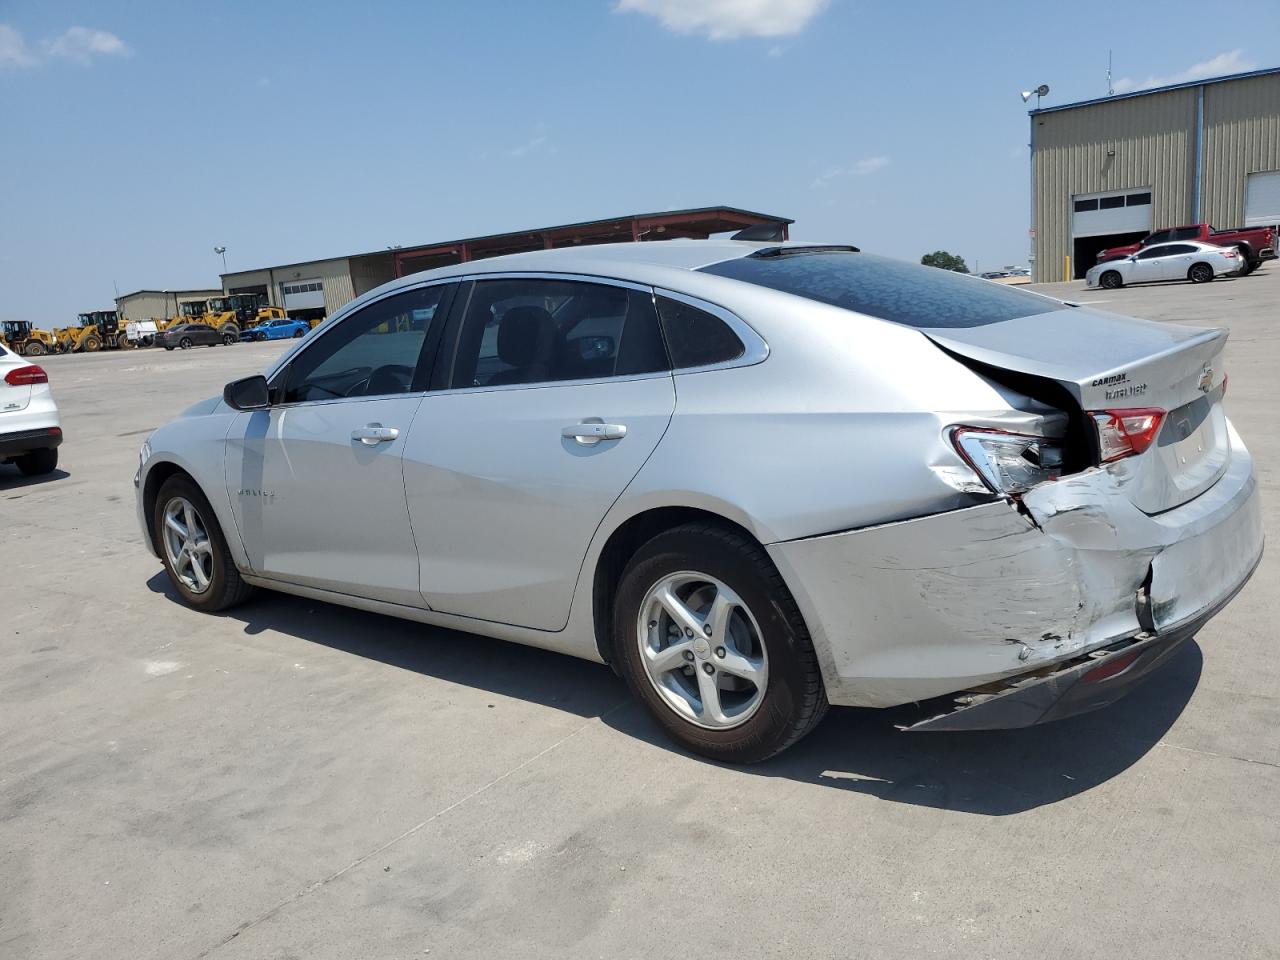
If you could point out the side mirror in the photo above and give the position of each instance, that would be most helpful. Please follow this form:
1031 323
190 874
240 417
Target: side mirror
251 393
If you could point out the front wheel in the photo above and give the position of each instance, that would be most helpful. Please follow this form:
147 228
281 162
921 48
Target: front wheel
35 349
297 334
1200 273
193 548
709 639
1111 280
185 343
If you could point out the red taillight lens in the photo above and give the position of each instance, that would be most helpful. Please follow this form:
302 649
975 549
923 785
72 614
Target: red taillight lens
26 376
1124 433
1112 665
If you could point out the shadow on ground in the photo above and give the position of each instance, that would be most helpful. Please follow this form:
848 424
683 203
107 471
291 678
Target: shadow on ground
11 478
992 773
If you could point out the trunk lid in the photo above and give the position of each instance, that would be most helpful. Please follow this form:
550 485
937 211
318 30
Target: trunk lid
1110 362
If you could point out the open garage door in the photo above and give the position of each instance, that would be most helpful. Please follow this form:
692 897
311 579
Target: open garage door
1102 220
1262 199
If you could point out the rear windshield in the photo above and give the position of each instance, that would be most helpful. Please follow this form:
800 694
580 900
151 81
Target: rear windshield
905 293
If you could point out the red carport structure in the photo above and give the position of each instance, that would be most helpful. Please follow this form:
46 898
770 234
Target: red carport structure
698 223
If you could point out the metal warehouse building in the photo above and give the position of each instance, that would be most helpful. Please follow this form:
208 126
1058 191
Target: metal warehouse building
158 304
315 288
1109 171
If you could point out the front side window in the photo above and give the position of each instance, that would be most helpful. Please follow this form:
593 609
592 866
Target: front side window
382 349
531 330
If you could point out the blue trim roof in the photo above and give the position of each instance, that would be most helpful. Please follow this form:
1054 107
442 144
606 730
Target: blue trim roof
1143 93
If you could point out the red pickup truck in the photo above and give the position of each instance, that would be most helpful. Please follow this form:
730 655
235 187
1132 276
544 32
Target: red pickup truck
1254 243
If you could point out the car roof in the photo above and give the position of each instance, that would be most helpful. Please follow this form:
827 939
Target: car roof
647 262
1185 243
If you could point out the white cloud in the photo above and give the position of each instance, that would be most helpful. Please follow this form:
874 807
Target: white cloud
1233 61
80 44
864 167
14 51
729 19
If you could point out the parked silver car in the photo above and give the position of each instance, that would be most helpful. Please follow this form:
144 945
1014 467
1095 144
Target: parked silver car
755 478
1185 260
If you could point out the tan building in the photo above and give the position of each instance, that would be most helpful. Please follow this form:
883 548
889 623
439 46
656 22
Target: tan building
316 288
158 304
1109 171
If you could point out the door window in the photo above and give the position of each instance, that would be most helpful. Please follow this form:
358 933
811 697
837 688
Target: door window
1159 236
1177 249
380 350
531 330
1185 233
1152 252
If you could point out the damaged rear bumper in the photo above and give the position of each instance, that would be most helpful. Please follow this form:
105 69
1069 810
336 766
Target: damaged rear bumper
1010 607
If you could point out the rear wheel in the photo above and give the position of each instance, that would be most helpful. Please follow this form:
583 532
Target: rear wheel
193 548
709 639
123 342
1111 280
38 462
34 349
1200 273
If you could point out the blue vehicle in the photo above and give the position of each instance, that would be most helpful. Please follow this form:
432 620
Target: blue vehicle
276 330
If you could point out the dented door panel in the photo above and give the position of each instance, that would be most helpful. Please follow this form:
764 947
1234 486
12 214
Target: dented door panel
940 604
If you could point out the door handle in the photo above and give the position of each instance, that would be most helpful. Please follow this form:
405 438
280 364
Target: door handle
372 433
592 430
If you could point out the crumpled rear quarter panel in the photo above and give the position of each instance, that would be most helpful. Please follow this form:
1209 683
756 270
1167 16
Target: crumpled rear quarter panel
920 608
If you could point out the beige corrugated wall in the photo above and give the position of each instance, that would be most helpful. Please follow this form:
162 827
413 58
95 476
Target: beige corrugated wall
334 274
1241 136
1153 137
1153 141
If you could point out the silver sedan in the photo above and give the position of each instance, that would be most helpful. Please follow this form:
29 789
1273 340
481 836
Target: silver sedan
1184 260
756 479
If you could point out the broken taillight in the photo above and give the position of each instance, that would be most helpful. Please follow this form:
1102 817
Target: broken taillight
1008 463
1126 433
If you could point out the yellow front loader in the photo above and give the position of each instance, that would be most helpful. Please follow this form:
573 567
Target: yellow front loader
25 340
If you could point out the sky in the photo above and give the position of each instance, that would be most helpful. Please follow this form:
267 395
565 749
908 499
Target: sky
138 136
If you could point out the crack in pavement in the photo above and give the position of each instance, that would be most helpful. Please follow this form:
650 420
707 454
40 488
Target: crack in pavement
308 890
1220 756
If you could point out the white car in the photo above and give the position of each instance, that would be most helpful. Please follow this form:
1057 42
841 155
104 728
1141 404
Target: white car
1183 260
30 431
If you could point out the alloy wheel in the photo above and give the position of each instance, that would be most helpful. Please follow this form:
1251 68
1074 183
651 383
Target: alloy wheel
702 650
187 545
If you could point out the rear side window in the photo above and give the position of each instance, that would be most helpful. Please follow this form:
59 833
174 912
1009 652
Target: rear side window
905 293
536 330
696 338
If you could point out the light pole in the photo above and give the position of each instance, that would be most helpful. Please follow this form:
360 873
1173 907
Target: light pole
1038 92
222 252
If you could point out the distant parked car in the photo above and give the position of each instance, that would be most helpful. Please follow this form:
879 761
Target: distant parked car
1197 262
30 430
276 330
1255 244
187 335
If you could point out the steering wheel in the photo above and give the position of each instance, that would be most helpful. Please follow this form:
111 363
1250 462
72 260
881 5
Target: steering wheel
391 378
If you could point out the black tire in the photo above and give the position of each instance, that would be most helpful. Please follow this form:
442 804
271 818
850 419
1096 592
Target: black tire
228 339
1200 273
92 345
226 587
37 463
167 347
1111 280
35 349
259 337
794 698
297 334
185 343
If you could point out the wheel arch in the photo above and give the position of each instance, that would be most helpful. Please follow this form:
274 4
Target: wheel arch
157 474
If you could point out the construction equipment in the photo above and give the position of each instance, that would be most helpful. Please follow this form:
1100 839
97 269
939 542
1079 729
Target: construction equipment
25 340
94 331
241 309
